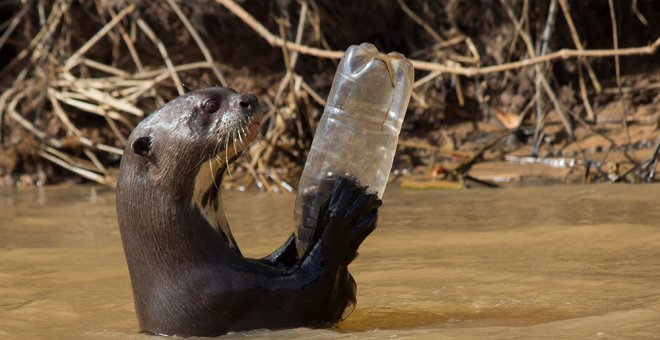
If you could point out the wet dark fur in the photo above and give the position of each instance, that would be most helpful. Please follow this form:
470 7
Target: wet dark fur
187 280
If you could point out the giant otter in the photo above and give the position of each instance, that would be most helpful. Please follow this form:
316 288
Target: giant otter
187 272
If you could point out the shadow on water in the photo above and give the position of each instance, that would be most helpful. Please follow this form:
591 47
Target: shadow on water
366 319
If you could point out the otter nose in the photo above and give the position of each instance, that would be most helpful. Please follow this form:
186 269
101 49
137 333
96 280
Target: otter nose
248 102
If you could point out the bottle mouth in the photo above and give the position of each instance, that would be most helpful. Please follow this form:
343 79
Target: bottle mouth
364 58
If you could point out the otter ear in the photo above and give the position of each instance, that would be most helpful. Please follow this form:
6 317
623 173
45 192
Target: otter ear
142 146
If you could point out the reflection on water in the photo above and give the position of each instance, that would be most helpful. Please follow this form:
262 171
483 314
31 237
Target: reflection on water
577 262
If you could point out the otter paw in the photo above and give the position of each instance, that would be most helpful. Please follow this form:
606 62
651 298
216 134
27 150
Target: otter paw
347 218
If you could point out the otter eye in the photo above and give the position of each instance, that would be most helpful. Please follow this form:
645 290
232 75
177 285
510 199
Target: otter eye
210 105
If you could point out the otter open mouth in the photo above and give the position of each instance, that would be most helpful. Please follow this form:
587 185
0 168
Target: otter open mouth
253 131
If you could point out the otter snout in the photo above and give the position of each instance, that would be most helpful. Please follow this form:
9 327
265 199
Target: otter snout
252 109
247 104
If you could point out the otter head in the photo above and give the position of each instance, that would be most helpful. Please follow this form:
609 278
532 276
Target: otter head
181 151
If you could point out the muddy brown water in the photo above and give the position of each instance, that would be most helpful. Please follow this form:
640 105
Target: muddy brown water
545 262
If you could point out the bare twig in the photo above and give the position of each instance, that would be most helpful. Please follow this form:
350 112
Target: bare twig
105 98
540 100
74 59
652 163
312 93
287 64
540 76
105 68
606 137
13 24
172 70
82 172
198 40
91 108
410 13
578 44
163 51
274 40
426 79
4 100
54 19
523 17
583 94
59 112
467 164
617 70
291 62
639 14
561 54
549 28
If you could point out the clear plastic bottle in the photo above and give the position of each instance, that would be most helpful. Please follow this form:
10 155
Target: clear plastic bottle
358 132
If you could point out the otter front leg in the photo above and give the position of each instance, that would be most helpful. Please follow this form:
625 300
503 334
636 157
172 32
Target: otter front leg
346 219
318 289
346 194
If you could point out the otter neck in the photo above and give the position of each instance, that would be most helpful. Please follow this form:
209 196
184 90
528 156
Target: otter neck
157 220
207 198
